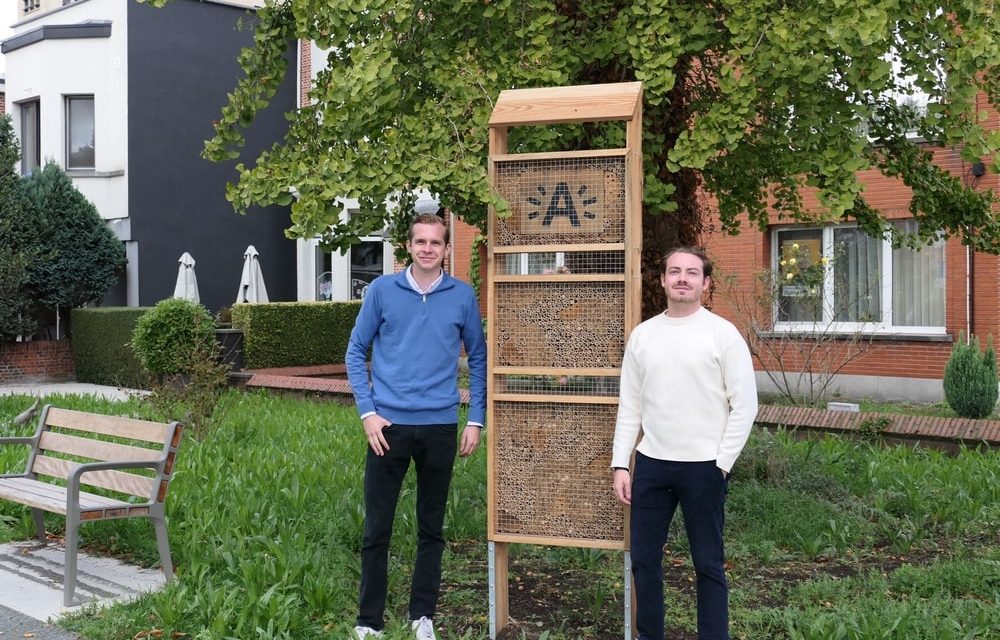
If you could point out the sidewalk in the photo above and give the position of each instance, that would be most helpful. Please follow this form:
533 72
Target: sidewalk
17 625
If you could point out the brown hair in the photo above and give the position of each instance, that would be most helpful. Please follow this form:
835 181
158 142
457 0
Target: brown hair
429 218
706 264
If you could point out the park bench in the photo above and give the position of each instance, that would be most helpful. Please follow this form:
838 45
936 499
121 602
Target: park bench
130 459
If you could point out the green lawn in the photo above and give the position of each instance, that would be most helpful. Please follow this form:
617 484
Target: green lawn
827 539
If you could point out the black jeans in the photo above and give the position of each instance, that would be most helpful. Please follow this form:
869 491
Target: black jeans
658 486
432 449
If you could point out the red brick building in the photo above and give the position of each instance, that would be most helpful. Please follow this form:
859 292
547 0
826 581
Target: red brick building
916 306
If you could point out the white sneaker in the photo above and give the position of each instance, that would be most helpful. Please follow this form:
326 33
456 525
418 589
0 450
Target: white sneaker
423 629
361 633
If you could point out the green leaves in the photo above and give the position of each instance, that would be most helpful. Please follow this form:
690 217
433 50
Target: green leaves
750 98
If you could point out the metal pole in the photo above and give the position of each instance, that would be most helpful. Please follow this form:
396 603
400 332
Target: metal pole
491 546
628 595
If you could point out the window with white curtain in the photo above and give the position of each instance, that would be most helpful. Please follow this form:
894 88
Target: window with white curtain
841 276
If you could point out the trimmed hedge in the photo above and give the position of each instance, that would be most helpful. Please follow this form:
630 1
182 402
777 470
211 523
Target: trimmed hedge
102 350
289 334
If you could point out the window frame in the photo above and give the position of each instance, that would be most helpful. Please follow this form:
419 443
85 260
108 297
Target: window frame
23 124
68 99
882 327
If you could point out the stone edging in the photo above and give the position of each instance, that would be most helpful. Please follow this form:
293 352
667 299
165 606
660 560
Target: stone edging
904 426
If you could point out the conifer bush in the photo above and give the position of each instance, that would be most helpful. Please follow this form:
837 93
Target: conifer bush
970 379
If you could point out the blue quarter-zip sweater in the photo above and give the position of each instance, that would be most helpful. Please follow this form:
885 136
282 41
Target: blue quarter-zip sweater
416 341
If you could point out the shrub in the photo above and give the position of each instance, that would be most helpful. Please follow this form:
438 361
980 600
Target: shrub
168 339
970 379
102 350
288 334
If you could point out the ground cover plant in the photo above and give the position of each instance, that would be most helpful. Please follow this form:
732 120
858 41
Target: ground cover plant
827 538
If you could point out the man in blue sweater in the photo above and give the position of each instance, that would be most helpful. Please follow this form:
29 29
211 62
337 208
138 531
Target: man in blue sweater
415 323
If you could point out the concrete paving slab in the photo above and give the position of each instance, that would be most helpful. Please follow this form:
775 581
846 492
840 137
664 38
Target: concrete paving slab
32 578
39 389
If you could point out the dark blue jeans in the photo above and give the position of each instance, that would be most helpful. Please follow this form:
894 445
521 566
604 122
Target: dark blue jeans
432 449
658 486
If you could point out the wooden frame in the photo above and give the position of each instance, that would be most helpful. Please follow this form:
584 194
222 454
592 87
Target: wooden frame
585 103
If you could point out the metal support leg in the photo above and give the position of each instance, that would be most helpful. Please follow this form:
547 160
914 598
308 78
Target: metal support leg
628 595
69 580
491 546
39 517
163 546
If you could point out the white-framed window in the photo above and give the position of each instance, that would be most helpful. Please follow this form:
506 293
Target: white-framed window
347 277
841 277
534 263
30 136
80 132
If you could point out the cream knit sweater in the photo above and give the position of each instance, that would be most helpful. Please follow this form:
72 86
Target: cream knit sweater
688 385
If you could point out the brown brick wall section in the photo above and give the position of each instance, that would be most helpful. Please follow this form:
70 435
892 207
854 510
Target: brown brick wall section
3 103
305 71
918 427
36 359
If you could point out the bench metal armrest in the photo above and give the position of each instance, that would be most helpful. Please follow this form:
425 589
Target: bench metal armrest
73 481
29 440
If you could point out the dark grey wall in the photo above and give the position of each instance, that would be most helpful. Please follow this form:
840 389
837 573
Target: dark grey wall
181 64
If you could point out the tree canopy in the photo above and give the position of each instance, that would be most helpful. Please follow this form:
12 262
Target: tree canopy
753 101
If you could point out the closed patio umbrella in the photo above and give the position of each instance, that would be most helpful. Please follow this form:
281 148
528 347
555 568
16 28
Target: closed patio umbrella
252 287
187 284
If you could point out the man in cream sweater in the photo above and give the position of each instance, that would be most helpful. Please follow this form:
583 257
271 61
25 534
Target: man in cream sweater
687 385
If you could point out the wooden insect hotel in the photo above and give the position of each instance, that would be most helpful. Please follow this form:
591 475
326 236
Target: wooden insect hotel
564 293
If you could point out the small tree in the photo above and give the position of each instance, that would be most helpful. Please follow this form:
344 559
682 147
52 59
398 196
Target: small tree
82 255
18 241
970 378
802 364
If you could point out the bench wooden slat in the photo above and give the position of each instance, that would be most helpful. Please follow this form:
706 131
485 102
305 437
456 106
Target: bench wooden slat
96 449
47 497
109 425
121 481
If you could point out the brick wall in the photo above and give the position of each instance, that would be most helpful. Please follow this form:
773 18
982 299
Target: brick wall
305 72
52 359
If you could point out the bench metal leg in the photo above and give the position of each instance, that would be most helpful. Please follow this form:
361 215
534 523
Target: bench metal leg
163 545
72 534
39 517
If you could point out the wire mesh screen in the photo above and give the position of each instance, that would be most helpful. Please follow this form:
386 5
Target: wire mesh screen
552 468
562 200
558 300
559 324
561 384
547 263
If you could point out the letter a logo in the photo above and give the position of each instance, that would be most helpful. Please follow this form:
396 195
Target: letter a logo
568 209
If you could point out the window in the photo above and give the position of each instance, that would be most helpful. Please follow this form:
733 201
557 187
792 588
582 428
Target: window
30 146
367 263
534 263
80 132
844 277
